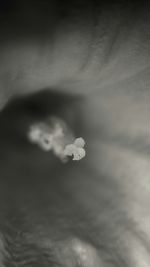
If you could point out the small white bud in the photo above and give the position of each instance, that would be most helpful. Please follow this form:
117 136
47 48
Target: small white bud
75 150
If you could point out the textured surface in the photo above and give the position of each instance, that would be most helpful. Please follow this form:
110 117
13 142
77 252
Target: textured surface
93 213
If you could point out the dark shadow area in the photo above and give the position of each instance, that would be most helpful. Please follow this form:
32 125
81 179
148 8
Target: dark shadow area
21 161
21 112
38 19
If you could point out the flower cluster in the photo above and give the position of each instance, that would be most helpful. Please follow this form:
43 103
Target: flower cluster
54 134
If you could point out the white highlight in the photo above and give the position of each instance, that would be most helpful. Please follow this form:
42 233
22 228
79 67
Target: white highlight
54 134
76 149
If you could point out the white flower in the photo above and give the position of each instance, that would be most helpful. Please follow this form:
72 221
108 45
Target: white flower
76 149
54 134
